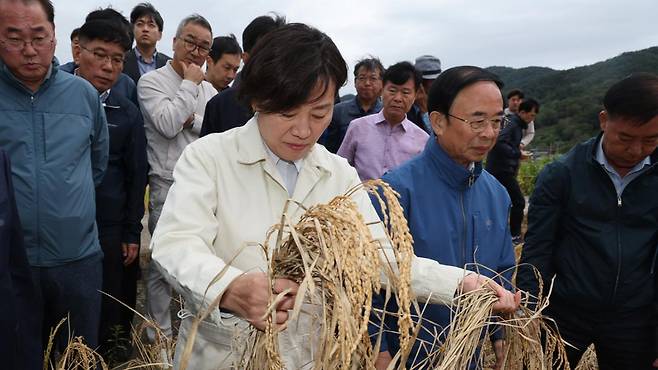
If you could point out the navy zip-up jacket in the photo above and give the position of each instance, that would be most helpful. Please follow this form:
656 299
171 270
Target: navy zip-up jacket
602 248
504 157
120 197
456 217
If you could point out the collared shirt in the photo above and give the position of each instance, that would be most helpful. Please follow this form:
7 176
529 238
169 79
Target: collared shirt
143 65
620 182
373 146
289 170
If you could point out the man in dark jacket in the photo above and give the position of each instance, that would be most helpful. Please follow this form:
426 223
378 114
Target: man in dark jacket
224 111
120 196
503 161
593 226
20 330
147 27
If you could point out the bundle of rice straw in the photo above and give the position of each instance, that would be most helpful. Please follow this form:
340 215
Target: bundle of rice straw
76 355
331 254
532 341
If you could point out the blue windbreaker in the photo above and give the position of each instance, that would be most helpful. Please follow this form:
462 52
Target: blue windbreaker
58 143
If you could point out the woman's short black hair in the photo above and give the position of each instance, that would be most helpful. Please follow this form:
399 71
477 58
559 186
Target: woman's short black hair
445 88
400 73
635 98
286 65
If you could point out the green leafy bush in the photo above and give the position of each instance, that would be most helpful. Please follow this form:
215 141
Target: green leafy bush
529 170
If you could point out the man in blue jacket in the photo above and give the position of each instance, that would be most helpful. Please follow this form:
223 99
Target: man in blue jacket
457 213
103 42
593 226
20 332
53 127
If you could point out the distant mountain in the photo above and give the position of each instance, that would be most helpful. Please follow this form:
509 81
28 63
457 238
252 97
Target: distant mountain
571 99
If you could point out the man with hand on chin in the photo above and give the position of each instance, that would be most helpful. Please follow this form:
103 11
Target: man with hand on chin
172 99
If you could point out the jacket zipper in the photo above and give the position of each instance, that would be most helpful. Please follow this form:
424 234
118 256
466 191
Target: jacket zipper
471 180
37 165
461 203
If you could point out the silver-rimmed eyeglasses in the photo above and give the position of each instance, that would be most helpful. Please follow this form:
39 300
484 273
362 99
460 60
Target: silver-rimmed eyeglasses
479 124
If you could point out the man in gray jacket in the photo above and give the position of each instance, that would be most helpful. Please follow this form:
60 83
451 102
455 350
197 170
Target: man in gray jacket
53 127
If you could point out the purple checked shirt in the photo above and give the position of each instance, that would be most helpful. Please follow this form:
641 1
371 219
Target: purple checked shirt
373 146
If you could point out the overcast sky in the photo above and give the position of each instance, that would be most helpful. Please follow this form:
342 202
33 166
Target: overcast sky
559 34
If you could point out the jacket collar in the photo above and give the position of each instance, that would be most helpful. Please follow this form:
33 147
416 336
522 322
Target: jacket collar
251 151
449 171
6 75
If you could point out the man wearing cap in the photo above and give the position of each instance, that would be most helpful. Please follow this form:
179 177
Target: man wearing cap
368 83
429 67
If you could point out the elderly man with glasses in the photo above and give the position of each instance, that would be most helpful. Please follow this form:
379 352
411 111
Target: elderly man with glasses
173 100
53 127
457 212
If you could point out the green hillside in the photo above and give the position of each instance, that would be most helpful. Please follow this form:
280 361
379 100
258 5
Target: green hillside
571 99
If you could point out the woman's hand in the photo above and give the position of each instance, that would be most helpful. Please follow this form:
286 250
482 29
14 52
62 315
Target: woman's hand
247 296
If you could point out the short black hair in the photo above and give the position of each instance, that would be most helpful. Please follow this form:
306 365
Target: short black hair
224 45
112 15
146 9
445 88
75 33
515 92
370 64
105 30
259 27
635 98
528 105
400 73
286 66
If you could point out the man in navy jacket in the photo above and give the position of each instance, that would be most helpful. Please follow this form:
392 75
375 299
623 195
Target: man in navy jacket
120 196
503 161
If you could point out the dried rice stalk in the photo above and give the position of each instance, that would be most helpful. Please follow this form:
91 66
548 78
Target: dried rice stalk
473 309
331 254
76 356
588 361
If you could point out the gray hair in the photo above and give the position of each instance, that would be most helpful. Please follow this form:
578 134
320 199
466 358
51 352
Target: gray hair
196 19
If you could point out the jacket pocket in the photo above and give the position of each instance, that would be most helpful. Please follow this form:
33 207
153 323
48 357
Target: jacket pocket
67 143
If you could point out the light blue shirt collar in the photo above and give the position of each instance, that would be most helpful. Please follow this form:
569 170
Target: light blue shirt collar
619 182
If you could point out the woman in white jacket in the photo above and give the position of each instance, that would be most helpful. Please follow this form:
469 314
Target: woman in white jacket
230 188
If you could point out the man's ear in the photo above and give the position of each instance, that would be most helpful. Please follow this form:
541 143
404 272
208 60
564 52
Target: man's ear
603 120
76 53
439 122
